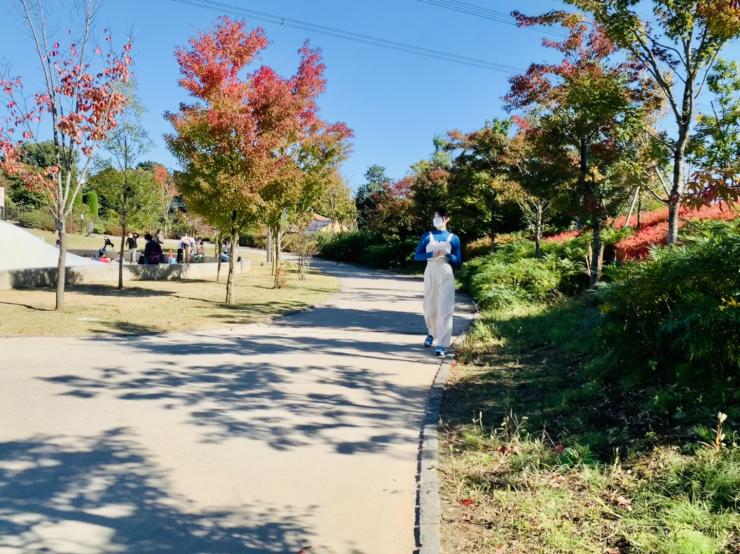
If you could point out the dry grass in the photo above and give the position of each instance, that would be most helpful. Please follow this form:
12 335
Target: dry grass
156 306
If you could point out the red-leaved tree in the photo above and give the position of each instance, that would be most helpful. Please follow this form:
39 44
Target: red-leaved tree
238 135
589 102
77 108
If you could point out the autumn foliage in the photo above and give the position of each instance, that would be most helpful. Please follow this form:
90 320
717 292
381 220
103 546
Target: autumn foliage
250 132
654 228
82 104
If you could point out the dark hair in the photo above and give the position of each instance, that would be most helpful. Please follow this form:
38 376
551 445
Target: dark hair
148 236
442 212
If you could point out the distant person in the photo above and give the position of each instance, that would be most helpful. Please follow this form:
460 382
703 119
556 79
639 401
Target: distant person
90 228
106 243
186 246
132 243
441 251
225 250
199 251
152 250
159 237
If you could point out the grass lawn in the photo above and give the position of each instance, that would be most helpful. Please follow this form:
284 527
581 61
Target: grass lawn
76 241
536 458
155 306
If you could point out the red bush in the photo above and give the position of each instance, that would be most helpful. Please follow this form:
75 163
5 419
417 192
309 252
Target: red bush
646 218
562 237
654 228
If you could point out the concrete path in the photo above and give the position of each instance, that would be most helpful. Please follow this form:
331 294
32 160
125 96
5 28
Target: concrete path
261 438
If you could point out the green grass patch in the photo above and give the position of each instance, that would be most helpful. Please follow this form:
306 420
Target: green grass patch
538 457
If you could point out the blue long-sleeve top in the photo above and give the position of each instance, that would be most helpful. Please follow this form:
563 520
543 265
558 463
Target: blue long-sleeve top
454 257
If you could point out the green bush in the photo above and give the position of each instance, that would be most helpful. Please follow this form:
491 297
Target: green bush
93 204
362 247
36 219
513 274
500 279
345 247
253 240
394 255
674 320
697 230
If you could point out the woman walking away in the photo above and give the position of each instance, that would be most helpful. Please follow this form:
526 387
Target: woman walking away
441 250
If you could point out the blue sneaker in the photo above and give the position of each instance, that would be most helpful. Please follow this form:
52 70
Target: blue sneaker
440 351
428 341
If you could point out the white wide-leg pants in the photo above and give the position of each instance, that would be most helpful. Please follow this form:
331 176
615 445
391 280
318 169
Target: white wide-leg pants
439 300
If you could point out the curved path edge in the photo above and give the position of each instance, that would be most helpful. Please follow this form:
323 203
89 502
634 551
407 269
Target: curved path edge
428 504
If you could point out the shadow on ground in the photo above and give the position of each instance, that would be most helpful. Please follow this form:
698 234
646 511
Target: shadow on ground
104 492
253 390
253 394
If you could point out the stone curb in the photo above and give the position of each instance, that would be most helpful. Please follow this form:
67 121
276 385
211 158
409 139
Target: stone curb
428 504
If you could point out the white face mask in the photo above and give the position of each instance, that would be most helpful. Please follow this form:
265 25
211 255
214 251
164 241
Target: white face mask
438 222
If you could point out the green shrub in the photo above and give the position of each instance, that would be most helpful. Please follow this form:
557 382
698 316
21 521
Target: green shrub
345 247
362 247
495 282
697 230
674 321
512 274
253 240
36 219
93 204
395 255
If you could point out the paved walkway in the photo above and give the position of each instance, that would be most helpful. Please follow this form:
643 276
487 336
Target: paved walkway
262 438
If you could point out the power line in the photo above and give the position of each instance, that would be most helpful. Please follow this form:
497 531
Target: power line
487 13
352 36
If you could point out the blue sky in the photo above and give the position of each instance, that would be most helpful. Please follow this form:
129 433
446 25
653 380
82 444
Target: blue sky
395 102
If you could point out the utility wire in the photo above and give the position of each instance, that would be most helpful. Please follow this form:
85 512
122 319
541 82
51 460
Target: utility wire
487 13
352 36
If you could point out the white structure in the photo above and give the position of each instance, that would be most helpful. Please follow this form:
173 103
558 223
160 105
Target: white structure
20 249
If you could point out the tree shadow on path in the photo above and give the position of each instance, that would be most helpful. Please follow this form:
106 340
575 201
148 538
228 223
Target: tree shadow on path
112 498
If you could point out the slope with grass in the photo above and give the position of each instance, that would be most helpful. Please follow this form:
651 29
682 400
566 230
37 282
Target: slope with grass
546 448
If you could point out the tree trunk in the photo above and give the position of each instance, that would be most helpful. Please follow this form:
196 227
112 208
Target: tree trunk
674 200
632 208
232 261
596 250
120 260
592 207
274 234
269 245
278 246
61 265
538 231
684 123
218 257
